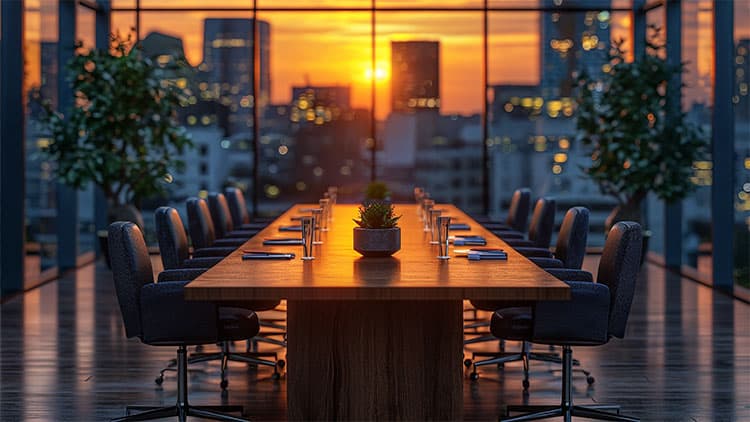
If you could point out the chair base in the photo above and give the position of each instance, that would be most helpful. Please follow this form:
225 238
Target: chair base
566 409
525 356
182 409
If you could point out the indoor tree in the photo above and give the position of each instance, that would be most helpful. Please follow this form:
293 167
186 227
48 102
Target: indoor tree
121 133
638 143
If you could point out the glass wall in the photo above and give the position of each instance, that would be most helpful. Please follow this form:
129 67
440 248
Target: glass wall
534 60
40 84
86 35
697 102
741 100
429 108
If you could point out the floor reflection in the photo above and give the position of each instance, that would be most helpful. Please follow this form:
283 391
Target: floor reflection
65 357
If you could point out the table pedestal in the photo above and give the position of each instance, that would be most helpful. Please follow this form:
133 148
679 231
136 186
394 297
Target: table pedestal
374 360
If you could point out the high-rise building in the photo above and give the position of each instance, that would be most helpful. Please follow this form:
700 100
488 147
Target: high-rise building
319 104
226 73
415 75
572 41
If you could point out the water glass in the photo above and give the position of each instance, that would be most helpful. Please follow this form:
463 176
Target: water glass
325 206
428 204
317 222
308 236
443 224
434 234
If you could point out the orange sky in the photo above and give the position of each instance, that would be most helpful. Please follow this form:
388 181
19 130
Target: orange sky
334 47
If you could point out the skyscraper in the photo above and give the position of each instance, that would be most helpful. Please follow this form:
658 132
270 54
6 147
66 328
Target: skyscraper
572 41
415 75
741 96
227 69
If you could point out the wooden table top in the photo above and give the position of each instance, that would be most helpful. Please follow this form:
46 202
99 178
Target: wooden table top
338 272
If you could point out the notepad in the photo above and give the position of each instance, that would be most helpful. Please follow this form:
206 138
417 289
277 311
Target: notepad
268 255
469 240
459 227
282 241
290 228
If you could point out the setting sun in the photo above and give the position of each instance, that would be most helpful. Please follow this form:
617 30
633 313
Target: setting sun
380 74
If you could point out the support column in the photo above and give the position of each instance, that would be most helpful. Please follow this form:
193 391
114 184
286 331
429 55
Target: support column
673 211
722 147
12 150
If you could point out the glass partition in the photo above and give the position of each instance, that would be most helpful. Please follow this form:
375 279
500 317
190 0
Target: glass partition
741 100
697 102
429 105
40 84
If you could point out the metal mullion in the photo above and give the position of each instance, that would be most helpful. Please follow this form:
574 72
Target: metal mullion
376 9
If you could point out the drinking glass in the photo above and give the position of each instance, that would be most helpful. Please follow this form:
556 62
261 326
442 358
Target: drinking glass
308 236
443 224
317 222
434 233
428 204
325 206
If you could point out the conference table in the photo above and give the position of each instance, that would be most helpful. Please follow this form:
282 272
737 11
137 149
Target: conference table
374 338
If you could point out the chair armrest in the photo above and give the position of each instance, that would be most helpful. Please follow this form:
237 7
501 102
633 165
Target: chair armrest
168 318
518 243
228 242
206 262
546 262
529 251
583 319
571 275
180 274
213 252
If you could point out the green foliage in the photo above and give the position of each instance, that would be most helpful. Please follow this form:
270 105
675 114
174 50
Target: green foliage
122 132
637 144
377 190
377 215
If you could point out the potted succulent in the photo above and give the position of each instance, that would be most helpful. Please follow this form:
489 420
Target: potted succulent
637 144
121 133
377 233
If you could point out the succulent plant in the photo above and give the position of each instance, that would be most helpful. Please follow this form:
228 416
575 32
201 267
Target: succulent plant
377 215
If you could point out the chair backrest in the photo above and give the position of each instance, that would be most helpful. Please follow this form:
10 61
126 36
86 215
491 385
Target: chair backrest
518 212
237 206
571 240
200 226
173 242
542 222
220 214
131 270
618 269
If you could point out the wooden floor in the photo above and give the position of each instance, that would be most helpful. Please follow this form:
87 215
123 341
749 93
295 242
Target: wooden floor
686 356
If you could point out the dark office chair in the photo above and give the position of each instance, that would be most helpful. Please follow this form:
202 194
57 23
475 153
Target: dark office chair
238 208
173 243
518 213
596 312
158 315
540 229
173 250
201 227
570 250
221 216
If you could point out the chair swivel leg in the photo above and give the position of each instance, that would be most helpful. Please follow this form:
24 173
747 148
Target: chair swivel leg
567 409
182 409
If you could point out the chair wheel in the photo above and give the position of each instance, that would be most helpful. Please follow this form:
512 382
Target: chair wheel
281 363
526 385
159 380
474 376
275 376
590 380
467 363
224 384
